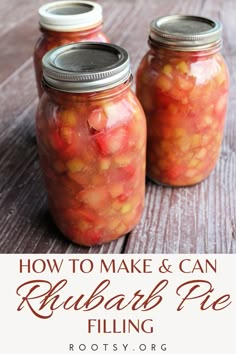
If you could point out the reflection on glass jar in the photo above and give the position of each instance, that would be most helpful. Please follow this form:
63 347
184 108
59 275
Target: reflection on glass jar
65 22
183 83
91 133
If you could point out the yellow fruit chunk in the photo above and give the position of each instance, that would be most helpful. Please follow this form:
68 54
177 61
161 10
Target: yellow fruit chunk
116 190
183 144
75 165
164 83
129 218
208 120
188 156
59 166
201 153
177 94
197 179
183 67
113 224
68 118
193 163
104 164
196 140
220 78
194 94
66 134
122 160
218 137
206 139
184 83
167 69
121 229
126 208
84 225
179 133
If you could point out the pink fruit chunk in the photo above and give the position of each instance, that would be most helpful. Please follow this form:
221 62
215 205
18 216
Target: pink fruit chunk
112 141
97 120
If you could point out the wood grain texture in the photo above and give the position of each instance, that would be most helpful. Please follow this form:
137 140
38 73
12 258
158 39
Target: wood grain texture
200 219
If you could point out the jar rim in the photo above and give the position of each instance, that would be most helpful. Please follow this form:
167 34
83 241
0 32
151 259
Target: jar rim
186 32
70 15
86 67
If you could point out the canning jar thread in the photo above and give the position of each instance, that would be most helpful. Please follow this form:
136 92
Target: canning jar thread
79 97
212 47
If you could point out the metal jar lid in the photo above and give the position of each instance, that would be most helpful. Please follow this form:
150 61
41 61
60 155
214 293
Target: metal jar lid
186 33
86 67
70 15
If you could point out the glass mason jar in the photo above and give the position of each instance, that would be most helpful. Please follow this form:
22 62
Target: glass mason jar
64 22
182 84
91 134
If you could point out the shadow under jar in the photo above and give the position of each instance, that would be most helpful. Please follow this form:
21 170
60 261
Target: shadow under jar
182 84
65 22
91 134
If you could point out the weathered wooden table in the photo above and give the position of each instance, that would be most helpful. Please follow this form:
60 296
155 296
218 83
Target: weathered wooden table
200 219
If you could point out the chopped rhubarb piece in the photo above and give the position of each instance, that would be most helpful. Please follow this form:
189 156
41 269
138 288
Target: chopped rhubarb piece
67 134
69 118
55 140
104 163
96 198
75 165
112 141
97 119
116 190
164 83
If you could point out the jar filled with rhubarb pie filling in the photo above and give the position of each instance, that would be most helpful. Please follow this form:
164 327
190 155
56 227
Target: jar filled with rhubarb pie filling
91 134
64 22
182 84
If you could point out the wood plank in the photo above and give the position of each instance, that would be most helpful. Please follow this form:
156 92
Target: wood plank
17 47
13 12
